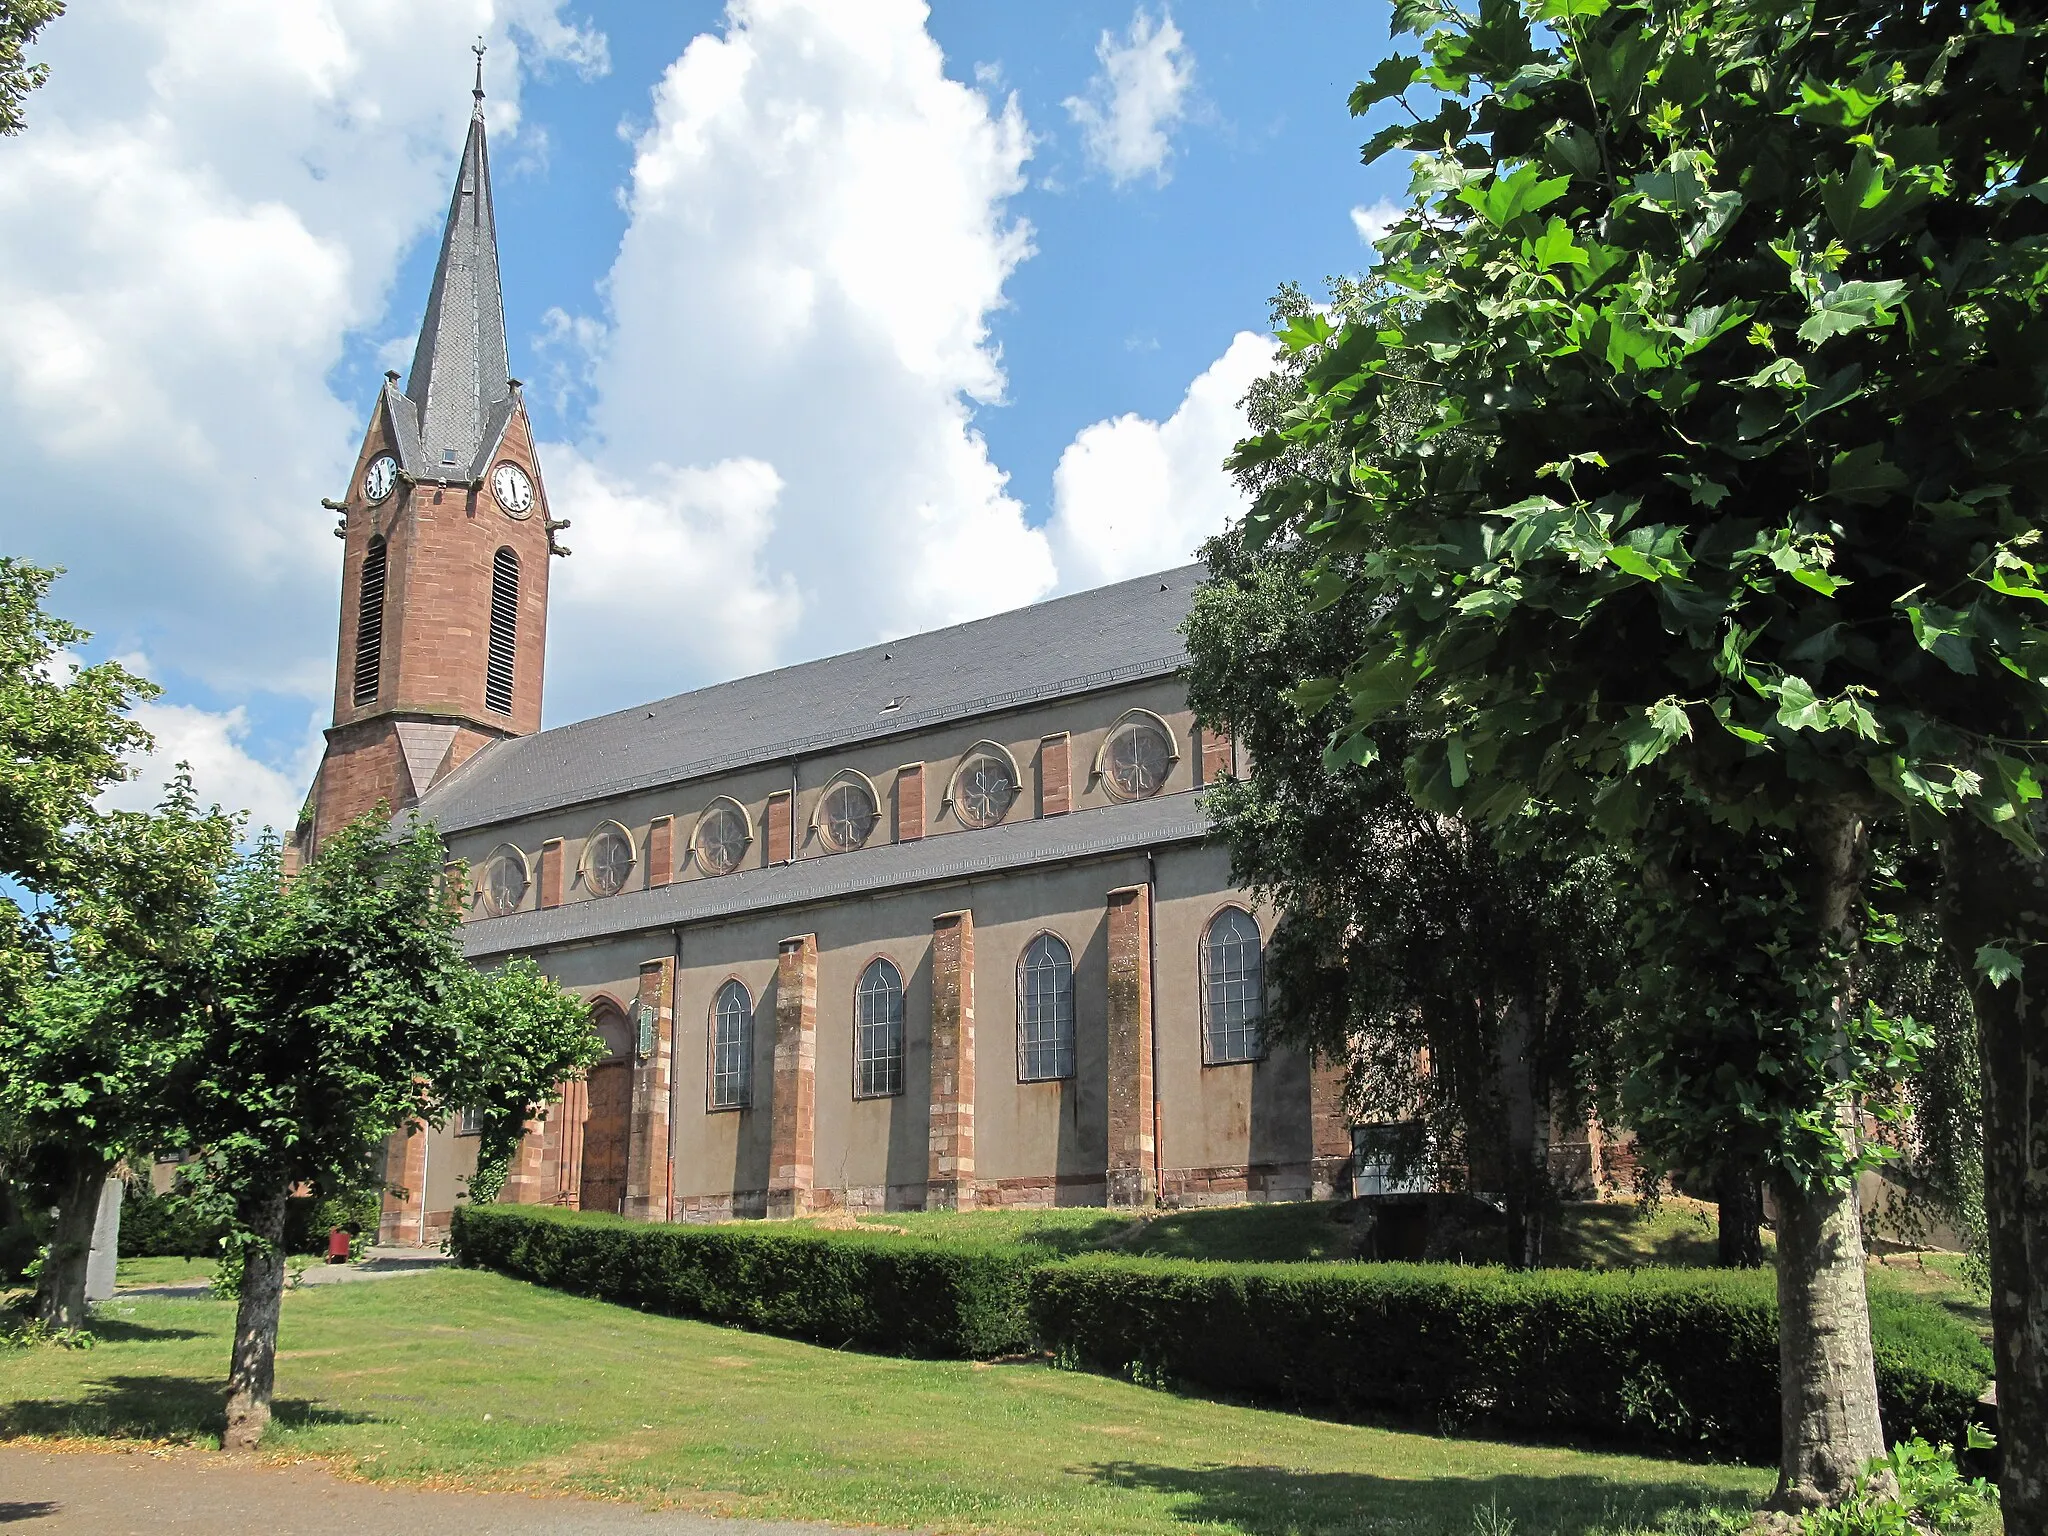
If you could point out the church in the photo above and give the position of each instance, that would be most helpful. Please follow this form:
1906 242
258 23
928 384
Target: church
934 924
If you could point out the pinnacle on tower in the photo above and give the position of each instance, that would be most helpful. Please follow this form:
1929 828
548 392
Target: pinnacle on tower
459 396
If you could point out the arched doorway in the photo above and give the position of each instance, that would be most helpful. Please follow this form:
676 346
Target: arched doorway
607 1126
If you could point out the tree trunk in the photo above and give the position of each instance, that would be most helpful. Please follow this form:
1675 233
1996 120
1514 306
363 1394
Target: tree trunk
1827 1380
1998 895
252 1372
1526 1111
1739 1235
60 1287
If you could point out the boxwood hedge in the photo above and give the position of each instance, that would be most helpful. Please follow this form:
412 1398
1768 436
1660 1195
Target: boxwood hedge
1679 1359
885 1294
1684 1359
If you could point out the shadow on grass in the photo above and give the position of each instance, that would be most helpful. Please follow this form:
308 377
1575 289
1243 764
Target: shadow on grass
112 1330
1599 1235
152 1408
1274 1501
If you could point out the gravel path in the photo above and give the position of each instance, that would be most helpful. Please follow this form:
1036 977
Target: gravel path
191 1493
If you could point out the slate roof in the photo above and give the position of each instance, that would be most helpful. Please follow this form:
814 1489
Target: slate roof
459 393
1159 823
1054 649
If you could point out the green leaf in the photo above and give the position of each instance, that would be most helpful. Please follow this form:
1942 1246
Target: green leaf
1391 77
1656 731
1864 476
1851 307
1798 709
1946 632
1507 198
1556 248
1312 696
1820 581
1634 561
1304 331
1706 493
1999 964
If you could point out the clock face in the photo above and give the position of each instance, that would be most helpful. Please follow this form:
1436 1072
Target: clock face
513 490
380 477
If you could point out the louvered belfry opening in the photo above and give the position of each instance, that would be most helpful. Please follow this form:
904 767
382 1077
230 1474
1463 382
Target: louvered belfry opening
370 625
504 631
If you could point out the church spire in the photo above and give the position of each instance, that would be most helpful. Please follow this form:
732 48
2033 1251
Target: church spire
460 388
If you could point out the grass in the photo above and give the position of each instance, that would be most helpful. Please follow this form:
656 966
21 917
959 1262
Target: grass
472 1378
1611 1234
163 1271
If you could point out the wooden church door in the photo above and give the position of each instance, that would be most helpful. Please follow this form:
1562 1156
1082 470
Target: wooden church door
605 1135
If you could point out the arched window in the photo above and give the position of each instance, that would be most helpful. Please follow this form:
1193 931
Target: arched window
847 814
370 624
1136 756
878 1031
608 858
504 631
1233 988
506 876
732 1048
1045 1010
721 838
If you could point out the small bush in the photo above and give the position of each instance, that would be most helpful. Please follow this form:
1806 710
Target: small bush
886 1294
1680 1359
184 1224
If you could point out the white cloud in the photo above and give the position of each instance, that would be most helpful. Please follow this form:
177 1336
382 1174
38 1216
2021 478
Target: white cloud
817 237
1136 99
1132 495
208 200
224 771
1375 220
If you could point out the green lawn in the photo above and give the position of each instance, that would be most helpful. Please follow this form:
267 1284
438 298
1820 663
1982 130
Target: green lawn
1593 1235
475 1378
163 1271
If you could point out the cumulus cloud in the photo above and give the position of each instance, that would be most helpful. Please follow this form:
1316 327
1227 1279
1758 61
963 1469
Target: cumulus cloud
1375 220
817 238
208 201
1131 495
1136 98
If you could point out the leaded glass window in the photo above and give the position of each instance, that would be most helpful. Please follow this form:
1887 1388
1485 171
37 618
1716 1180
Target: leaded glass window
608 859
983 790
878 1031
1233 988
1137 759
848 816
505 880
1045 1010
721 838
732 1048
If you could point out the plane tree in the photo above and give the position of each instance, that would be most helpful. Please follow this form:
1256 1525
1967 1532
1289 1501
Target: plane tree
1727 514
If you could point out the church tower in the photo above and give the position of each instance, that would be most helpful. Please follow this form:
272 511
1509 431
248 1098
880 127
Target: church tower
446 544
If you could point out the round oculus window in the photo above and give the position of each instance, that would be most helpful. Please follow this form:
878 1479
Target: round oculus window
721 839
1139 755
608 859
848 816
504 881
983 791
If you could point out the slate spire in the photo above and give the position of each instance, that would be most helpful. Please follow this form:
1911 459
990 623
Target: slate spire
460 386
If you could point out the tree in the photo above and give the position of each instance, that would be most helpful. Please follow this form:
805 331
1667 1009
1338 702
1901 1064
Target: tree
103 1021
1739 307
20 21
516 1028
1458 983
341 1010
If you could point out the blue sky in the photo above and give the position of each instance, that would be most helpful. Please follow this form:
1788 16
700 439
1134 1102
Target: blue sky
840 318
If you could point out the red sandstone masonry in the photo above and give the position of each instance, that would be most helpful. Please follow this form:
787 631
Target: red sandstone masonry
910 802
1329 1130
777 820
661 851
1055 792
405 1185
551 872
1219 759
949 1177
647 1180
793 1098
1130 1173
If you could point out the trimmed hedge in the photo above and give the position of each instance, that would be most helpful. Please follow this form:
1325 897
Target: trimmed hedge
884 1294
1680 1359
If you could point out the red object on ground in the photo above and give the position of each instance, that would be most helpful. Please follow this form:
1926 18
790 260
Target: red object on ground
337 1246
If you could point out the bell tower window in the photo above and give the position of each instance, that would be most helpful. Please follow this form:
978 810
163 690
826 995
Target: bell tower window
370 625
504 631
